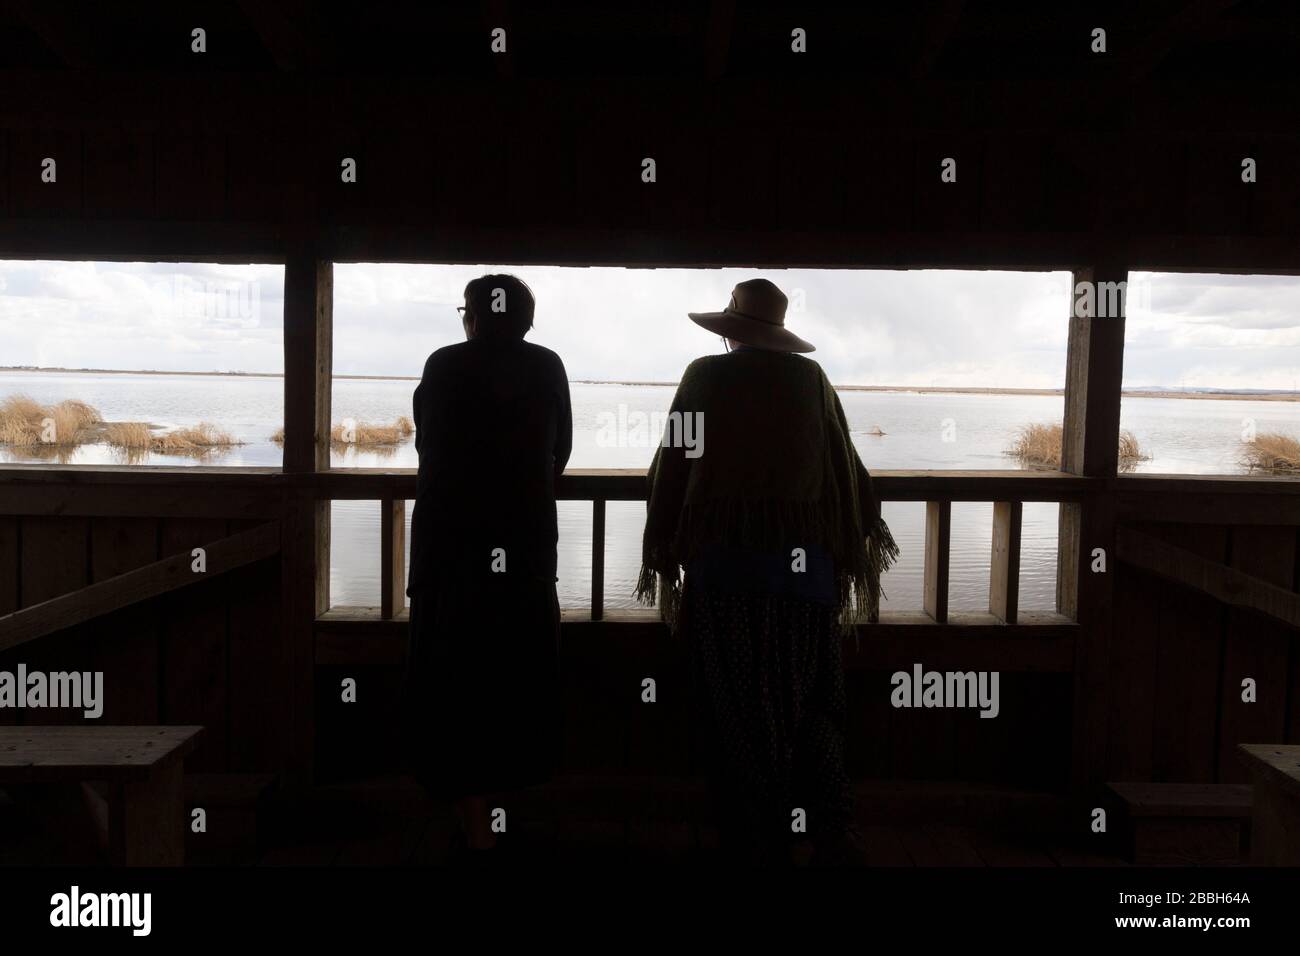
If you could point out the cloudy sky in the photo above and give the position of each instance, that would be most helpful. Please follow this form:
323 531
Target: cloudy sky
870 327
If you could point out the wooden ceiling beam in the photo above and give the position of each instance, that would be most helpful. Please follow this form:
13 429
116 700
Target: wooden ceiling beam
717 37
939 28
292 33
73 40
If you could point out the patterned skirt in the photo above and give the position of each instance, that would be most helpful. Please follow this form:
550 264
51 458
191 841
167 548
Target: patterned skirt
771 689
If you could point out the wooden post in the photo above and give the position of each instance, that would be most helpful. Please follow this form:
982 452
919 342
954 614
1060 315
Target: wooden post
597 559
392 562
938 527
1004 570
1090 447
308 360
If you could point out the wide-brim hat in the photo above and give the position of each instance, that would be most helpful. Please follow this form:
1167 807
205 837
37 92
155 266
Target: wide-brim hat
756 317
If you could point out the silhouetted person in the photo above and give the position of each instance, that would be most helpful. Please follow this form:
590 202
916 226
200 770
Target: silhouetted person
770 512
493 428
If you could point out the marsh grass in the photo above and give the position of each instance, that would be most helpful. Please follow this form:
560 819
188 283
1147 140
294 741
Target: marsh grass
135 439
1039 446
25 422
53 432
1272 453
364 434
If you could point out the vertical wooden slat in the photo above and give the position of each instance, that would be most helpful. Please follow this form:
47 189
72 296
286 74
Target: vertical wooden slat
938 528
392 562
1255 648
1004 570
308 359
1090 447
1093 372
194 647
130 660
56 561
259 728
10 563
597 559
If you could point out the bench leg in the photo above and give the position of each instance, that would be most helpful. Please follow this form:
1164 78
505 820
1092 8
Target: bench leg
147 819
1274 825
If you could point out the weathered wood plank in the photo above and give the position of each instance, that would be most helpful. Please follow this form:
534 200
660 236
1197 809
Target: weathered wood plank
194 645
39 754
91 601
1090 447
1133 680
55 563
392 556
938 531
10 568
1189 629
1212 578
308 361
1041 643
1256 650
1004 570
597 559
127 649
259 719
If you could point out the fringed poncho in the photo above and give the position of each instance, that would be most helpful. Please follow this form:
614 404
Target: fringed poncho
772 466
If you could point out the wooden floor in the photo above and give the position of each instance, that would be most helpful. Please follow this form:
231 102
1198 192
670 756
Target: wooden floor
391 822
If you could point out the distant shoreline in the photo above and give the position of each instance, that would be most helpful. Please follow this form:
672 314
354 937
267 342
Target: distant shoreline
1219 394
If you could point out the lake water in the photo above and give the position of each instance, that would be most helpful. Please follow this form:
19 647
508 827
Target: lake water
922 431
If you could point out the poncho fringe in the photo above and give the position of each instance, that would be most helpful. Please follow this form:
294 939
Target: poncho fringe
844 519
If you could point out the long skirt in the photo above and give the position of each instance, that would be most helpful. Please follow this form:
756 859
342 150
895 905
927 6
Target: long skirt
481 701
771 685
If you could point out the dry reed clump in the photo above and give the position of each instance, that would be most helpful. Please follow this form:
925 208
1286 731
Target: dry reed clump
363 434
1039 446
1272 453
133 436
137 437
25 421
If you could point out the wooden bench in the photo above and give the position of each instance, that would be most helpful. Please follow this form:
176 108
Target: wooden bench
1275 820
142 766
1184 823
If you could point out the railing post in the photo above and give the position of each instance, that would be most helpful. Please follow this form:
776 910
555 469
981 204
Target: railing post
1090 447
1004 567
308 361
392 562
938 528
597 558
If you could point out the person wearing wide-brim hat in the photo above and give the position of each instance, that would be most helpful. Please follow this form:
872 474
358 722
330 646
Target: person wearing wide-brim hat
755 316
758 495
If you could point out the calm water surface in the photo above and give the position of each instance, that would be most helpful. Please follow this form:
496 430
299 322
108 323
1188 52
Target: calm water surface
922 431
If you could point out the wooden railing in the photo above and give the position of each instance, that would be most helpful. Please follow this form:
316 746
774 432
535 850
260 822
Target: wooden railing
1006 490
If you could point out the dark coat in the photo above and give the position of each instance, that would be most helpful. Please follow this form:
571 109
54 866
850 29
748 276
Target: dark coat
493 429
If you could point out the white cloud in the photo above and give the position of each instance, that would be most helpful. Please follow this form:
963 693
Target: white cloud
871 327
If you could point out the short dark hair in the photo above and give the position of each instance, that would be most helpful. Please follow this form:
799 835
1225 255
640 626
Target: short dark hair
512 316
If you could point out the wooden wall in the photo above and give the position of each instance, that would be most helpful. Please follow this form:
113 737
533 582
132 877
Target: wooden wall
208 654
1178 659
758 172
